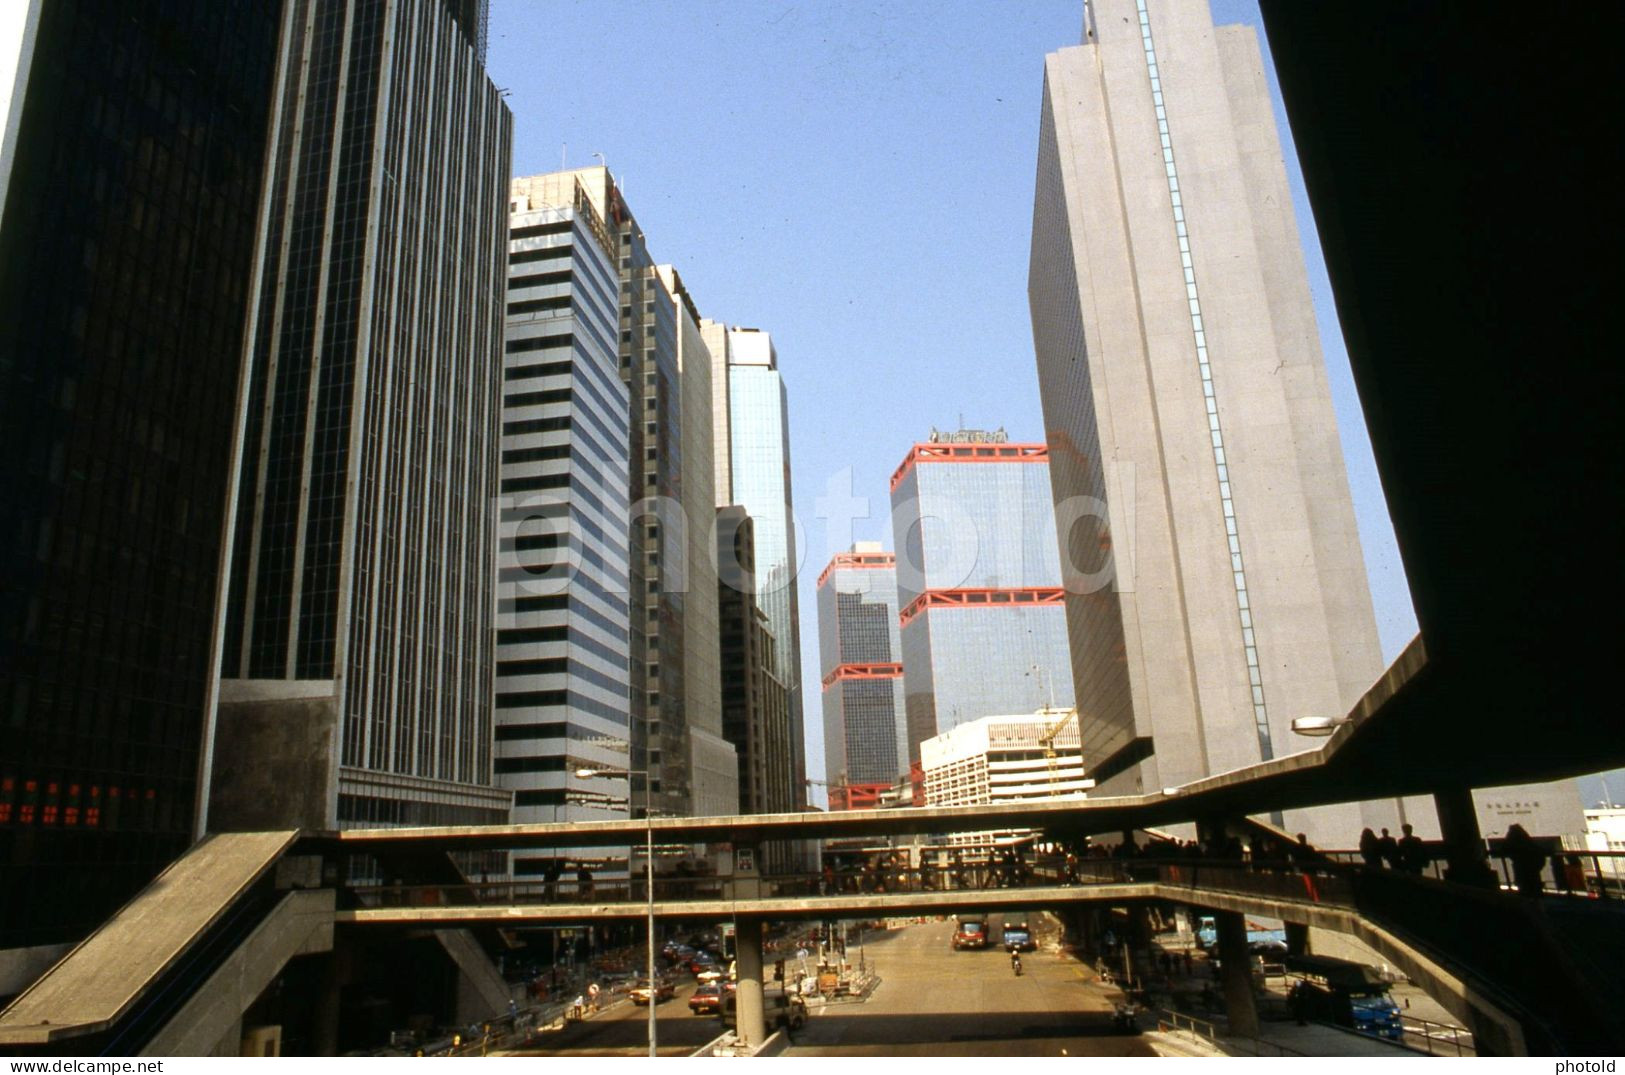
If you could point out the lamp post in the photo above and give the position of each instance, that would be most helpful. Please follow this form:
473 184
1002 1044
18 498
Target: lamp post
1318 727
649 873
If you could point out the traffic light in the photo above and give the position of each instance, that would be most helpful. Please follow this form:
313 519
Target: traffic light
778 971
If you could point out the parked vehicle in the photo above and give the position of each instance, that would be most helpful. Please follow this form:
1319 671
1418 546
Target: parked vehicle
1345 993
663 990
778 1009
971 932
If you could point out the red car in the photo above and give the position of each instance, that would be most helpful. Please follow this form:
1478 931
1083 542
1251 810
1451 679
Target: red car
707 999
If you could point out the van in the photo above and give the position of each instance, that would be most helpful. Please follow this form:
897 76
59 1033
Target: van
971 932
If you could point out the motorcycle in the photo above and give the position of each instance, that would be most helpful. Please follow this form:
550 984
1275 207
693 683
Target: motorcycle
1015 963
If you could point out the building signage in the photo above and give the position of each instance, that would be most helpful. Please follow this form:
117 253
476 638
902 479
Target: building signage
970 436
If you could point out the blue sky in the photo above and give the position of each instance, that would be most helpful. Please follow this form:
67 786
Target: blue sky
856 179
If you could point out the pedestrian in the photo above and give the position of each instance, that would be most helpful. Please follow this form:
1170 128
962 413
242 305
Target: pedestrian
1190 963
1369 851
592 997
1301 852
1528 859
1413 857
550 881
584 883
1388 848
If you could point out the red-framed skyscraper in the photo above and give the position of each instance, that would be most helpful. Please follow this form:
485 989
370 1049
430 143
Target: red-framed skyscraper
981 621
860 653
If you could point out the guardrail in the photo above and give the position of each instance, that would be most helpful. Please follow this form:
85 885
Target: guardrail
1168 1019
1459 1037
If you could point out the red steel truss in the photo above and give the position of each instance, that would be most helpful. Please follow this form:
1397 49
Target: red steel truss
858 560
862 671
974 598
970 453
857 796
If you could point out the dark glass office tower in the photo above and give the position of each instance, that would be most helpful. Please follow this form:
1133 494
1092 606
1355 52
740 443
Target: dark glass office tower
134 152
357 641
861 658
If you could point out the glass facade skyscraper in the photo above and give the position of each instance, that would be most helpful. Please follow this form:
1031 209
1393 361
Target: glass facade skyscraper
983 628
759 435
860 662
134 145
358 625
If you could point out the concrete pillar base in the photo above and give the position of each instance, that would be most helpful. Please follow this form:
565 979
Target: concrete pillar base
1467 858
1237 970
752 1025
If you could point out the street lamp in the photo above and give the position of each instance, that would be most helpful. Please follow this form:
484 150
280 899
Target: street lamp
649 872
1318 727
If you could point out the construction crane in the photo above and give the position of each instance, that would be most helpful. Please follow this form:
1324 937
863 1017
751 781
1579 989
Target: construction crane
1047 739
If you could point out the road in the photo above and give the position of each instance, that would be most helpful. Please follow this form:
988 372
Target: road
933 1001
623 1030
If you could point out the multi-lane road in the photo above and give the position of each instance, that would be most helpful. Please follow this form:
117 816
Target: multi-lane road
931 1001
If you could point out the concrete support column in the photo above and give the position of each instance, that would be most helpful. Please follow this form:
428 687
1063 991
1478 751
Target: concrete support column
1237 966
1297 939
1467 861
336 975
752 1026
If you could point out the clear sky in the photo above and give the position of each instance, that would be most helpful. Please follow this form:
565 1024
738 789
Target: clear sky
857 179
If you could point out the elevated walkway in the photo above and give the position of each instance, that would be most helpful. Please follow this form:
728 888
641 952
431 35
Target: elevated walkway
124 982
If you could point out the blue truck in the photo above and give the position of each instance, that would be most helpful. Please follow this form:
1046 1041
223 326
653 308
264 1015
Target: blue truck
1344 993
1017 936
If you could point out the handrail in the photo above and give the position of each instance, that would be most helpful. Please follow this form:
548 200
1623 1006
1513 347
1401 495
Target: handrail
1167 1019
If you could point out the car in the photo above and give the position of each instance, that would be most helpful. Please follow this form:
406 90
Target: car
663 990
707 999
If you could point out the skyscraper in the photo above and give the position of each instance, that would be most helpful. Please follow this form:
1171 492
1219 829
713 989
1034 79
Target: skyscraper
759 479
562 644
982 626
693 720
130 174
1215 583
860 658
755 698
359 612
674 729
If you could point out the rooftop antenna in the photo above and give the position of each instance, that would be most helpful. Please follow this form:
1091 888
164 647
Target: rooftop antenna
961 419
564 150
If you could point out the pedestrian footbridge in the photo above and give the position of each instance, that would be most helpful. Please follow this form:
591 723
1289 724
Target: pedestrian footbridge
175 968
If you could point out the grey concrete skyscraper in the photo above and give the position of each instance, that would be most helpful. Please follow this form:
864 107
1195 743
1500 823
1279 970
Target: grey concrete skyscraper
1216 588
359 613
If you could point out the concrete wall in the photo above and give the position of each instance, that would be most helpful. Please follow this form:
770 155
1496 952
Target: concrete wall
275 756
210 1024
